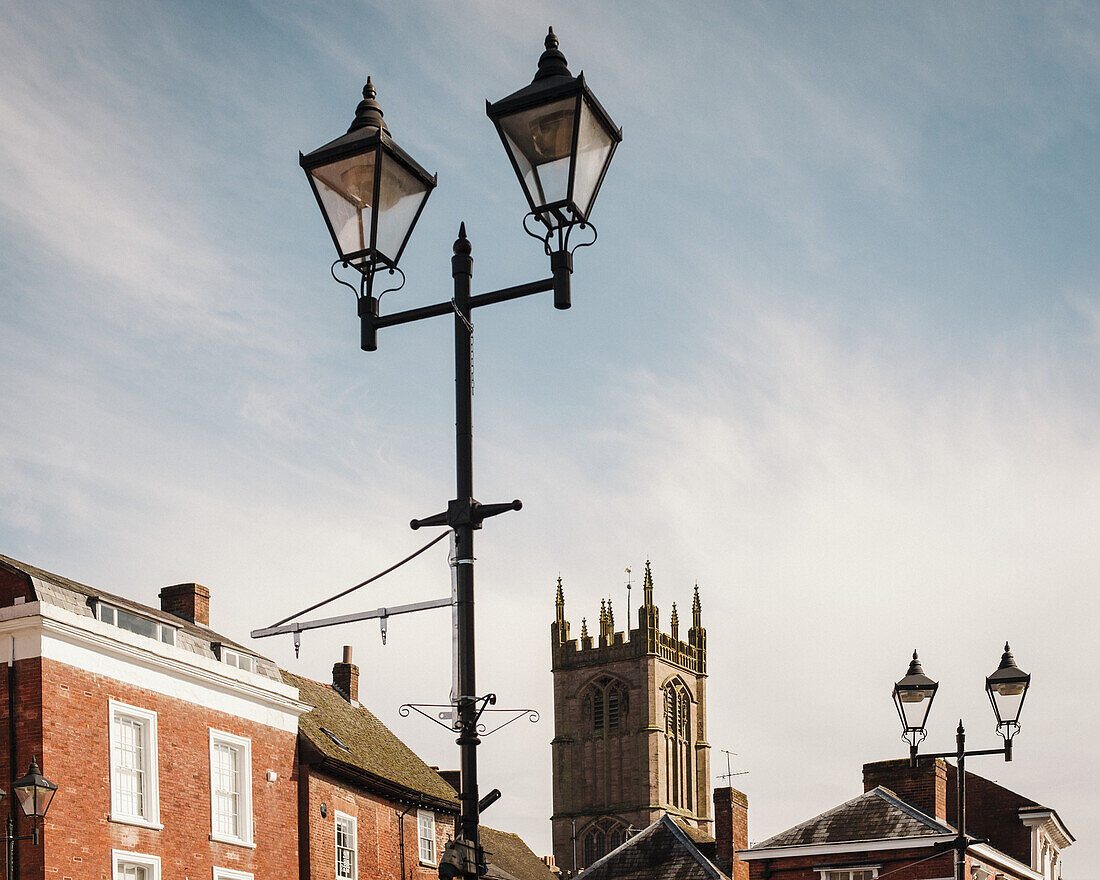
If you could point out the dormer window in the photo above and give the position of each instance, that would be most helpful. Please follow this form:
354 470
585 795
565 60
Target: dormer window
238 660
143 626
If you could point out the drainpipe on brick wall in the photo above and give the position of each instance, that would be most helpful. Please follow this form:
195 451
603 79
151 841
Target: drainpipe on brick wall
401 835
13 869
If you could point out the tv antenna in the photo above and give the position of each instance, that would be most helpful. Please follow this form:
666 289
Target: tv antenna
729 774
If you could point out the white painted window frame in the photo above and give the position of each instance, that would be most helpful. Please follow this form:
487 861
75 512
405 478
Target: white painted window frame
230 874
119 857
151 776
823 873
421 815
243 746
353 826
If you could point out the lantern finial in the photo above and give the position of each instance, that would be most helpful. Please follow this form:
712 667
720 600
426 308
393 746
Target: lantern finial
552 62
369 111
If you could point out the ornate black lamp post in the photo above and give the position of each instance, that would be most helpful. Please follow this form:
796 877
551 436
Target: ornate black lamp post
560 142
34 793
913 696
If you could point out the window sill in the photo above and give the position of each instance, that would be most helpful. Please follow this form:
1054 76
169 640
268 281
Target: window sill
136 821
233 841
424 864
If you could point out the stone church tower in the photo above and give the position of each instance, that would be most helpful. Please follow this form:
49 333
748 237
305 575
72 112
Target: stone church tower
630 717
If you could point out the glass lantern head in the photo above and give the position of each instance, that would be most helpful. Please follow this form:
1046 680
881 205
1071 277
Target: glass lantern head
370 191
559 139
34 792
913 696
1007 687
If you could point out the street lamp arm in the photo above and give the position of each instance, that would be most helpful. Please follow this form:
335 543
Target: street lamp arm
447 308
969 753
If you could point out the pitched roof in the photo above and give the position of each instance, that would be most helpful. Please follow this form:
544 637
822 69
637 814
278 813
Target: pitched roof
366 745
660 852
509 857
75 597
878 814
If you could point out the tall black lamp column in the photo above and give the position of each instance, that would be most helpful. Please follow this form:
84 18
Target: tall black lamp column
560 142
913 696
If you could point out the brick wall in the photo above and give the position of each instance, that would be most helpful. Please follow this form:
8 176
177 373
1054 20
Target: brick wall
62 715
925 787
378 829
992 812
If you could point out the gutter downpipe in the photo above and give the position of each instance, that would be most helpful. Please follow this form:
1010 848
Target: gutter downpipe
12 867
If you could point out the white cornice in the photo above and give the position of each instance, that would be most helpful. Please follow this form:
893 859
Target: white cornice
850 846
58 634
1050 822
988 853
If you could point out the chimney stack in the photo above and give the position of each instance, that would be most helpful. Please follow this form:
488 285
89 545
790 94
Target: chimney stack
345 677
924 788
189 601
731 831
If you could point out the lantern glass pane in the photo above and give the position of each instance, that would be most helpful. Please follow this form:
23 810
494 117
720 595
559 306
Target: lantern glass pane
541 142
1008 698
346 190
32 805
593 149
401 193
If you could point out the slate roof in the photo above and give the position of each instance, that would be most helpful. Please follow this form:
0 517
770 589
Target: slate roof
369 747
878 814
660 852
509 857
61 592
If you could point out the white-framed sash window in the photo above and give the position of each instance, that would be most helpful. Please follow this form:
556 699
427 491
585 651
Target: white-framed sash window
346 847
134 866
230 788
132 737
425 828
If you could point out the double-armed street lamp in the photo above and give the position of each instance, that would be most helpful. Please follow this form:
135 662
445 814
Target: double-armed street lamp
34 792
560 141
913 695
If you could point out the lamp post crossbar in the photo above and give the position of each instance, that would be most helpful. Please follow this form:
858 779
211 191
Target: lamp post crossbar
303 625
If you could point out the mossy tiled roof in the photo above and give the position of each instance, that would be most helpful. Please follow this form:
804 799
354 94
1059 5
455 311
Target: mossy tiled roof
368 745
511 856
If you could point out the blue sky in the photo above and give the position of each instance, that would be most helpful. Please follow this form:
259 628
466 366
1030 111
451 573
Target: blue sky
833 356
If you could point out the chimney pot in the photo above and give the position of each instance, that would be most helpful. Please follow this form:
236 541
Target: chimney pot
345 677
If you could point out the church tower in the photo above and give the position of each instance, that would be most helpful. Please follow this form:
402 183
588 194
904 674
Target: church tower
630 718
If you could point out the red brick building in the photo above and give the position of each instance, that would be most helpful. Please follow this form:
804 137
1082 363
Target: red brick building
172 746
368 807
181 754
899 827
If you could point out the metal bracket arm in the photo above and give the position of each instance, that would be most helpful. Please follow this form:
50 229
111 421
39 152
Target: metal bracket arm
301 626
476 301
466 512
967 754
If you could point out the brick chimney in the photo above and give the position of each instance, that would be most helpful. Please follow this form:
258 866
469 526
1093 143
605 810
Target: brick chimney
925 788
345 677
731 831
189 601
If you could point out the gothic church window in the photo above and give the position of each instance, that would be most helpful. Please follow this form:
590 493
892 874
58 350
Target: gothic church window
602 837
678 744
605 707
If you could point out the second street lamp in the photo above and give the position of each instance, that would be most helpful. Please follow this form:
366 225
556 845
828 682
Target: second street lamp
34 792
560 142
1006 687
